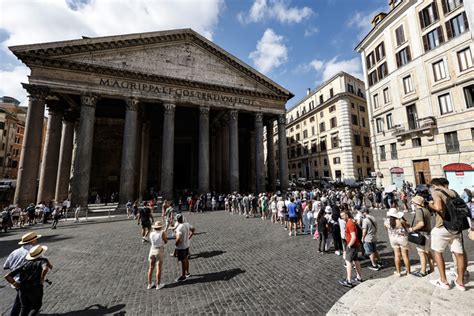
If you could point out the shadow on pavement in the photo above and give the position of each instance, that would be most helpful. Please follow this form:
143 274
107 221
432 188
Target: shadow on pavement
9 245
209 277
95 310
207 254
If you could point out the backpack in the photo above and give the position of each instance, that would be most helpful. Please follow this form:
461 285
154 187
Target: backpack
456 214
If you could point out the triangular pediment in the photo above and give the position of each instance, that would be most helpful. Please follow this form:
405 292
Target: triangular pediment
180 54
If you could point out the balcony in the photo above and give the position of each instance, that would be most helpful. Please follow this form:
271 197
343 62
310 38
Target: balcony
422 127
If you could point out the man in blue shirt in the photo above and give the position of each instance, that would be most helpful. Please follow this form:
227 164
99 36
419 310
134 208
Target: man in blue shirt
292 216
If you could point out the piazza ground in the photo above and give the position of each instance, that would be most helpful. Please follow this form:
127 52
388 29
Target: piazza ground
238 266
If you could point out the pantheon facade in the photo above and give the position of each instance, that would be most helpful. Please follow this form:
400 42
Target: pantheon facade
163 111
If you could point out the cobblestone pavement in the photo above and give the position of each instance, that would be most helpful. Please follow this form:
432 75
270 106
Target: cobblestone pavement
238 266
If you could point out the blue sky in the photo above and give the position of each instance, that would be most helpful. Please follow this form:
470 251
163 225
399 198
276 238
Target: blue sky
297 43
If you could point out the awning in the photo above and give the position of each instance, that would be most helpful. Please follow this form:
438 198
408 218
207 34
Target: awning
458 167
396 170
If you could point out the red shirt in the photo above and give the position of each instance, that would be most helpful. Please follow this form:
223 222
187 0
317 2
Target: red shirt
351 228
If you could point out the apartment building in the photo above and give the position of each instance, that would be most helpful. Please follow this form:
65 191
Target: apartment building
419 79
328 132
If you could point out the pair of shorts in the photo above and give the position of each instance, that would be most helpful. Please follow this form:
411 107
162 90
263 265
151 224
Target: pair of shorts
398 242
344 245
293 219
182 254
146 225
427 246
370 247
352 254
157 254
441 238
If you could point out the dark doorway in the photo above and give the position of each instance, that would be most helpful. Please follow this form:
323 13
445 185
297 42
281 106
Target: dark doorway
422 171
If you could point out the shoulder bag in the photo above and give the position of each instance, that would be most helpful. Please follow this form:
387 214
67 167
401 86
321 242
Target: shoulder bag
416 237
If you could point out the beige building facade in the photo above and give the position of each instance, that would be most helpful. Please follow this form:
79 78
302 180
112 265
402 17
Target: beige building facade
328 132
418 67
163 112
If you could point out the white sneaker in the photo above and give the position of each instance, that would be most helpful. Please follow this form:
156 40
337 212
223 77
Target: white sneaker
440 284
289 234
160 286
150 286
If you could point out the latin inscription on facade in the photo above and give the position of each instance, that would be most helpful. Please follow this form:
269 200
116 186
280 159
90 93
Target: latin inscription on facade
170 91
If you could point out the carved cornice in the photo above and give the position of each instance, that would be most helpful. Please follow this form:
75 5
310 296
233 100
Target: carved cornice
89 100
36 92
233 115
204 111
169 108
91 46
132 104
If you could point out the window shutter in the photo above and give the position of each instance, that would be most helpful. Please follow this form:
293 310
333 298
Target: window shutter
408 53
449 32
466 22
425 43
440 34
445 8
422 22
398 59
383 49
435 11
397 35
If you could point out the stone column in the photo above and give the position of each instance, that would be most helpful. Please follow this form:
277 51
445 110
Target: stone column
167 160
203 172
283 164
252 161
219 160
25 192
129 152
270 157
260 160
212 167
83 154
65 159
225 158
73 157
234 150
144 159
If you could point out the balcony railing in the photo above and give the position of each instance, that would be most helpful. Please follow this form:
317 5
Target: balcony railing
424 126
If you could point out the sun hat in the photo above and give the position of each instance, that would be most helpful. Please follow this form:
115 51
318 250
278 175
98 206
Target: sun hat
157 225
418 200
393 213
29 237
36 252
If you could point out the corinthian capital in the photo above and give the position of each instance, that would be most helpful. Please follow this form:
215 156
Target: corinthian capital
132 104
89 100
258 117
169 108
233 115
36 92
282 119
204 110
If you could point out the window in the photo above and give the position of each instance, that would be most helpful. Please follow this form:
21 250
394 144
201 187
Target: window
350 88
389 121
382 71
465 59
407 84
361 108
416 142
297 136
359 93
469 95
383 157
380 52
373 78
393 150
333 122
305 134
370 60
321 99
472 134
313 148
312 131
451 140
336 160
358 159
297 126
332 109
412 117
457 25
355 119
428 15
445 105
400 35
386 96
403 57
311 119
433 39
450 5
439 70
357 140
322 127
321 114
379 123
376 101
331 92
326 173
363 121
335 142
366 141
322 145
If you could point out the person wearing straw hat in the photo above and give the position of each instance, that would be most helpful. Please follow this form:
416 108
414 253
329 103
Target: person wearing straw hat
422 225
16 259
32 275
158 239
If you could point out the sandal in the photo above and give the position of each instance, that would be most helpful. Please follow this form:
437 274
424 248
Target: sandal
419 274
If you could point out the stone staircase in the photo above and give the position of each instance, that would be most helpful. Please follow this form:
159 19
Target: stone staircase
102 209
406 295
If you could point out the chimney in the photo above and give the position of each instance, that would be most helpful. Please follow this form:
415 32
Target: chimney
308 91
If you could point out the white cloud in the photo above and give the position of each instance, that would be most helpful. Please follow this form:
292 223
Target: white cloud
310 31
11 82
274 9
363 21
326 69
270 53
29 21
